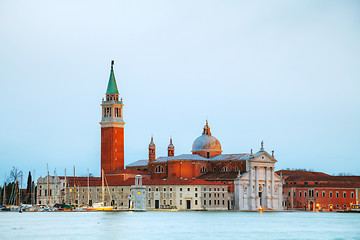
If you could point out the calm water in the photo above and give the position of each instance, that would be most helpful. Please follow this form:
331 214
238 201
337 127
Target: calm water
179 225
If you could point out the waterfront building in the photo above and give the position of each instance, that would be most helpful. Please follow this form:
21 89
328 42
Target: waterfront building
317 191
49 190
179 194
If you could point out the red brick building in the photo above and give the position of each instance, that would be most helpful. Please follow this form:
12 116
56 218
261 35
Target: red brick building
317 191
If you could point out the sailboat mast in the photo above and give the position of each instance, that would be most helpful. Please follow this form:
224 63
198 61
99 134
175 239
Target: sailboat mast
48 192
4 197
65 187
74 187
88 190
16 191
102 186
33 189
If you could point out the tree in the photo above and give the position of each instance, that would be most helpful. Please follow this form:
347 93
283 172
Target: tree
29 183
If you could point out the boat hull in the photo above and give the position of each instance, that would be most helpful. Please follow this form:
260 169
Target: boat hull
105 208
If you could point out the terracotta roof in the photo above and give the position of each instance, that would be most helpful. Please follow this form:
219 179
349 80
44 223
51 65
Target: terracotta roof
211 176
127 171
318 179
146 182
326 185
178 182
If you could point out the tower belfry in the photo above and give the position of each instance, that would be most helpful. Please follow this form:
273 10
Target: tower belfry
112 128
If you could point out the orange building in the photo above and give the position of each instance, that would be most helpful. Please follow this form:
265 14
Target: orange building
206 162
317 191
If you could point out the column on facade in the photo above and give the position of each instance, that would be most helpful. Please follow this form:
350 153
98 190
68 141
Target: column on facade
272 187
266 190
257 187
250 191
279 197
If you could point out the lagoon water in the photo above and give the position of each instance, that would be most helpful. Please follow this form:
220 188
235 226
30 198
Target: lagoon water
179 225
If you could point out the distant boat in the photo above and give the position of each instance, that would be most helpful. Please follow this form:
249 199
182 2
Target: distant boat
100 206
355 208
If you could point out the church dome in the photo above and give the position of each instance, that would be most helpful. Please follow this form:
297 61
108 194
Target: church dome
206 143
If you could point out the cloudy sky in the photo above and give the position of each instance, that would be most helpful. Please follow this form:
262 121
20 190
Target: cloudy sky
286 72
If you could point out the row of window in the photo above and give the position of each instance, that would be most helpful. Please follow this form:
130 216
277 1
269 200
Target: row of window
216 202
112 97
108 112
160 169
311 194
218 195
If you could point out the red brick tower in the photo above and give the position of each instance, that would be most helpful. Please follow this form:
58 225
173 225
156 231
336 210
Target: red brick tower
152 150
112 128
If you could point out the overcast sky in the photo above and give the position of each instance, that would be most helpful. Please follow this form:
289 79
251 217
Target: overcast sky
286 72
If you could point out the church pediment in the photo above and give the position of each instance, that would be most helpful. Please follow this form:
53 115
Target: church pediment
263 156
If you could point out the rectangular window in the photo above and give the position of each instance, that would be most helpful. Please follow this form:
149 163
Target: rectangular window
344 193
330 194
195 194
196 202
180 189
164 195
294 193
171 194
204 194
209 202
352 194
223 202
170 202
218 202
323 194
337 194
164 202
195 189
149 202
188 189
317 194
180 202
39 192
204 202
170 189
209 194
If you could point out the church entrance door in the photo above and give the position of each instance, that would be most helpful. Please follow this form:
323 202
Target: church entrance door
157 203
188 204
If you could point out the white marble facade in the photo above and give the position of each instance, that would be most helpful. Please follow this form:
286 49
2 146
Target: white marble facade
259 186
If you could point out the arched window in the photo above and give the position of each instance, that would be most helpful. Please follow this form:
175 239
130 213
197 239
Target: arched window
225 169
159 169
203 170
236 169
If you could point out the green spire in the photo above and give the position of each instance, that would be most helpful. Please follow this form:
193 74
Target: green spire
112 87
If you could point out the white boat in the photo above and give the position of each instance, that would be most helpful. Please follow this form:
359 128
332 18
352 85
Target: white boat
100 206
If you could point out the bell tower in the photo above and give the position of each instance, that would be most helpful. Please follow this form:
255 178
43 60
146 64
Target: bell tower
112 128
